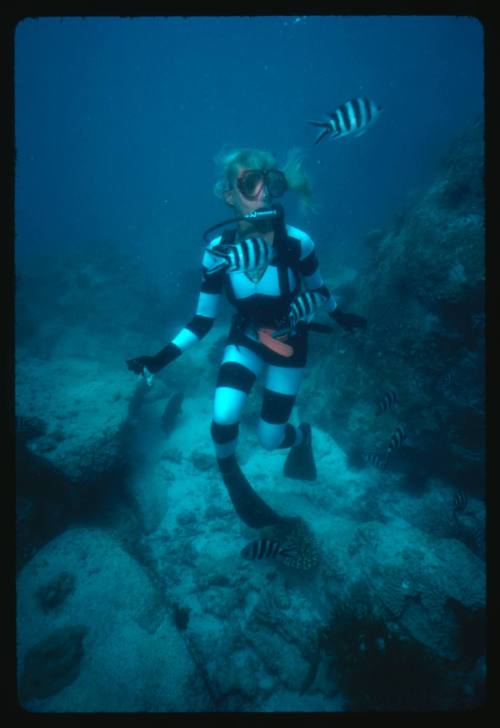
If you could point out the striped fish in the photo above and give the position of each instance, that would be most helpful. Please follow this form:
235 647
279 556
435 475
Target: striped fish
448 379
460 501
387 401
304 305
247 255
352 117
478 321
396 440
376 460
265 548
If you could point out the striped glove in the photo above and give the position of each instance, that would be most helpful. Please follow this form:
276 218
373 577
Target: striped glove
154 363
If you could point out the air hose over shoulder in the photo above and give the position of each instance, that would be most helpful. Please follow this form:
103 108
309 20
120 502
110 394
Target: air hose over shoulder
275 211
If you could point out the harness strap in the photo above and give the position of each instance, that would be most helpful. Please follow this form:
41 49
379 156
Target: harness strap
286 257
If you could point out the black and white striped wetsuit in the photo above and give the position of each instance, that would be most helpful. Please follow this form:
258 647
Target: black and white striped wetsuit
259 303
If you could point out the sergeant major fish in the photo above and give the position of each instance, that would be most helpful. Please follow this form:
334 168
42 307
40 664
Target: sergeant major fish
264 548
448 380
460 502
372 458
396 440
293 544
249 254
388 400
352 117
302 308
305 305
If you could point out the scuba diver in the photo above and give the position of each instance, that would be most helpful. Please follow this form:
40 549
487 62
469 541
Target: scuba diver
270 273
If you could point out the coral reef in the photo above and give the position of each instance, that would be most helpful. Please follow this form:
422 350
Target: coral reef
422 290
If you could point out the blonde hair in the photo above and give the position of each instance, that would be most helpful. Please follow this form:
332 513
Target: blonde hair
297 179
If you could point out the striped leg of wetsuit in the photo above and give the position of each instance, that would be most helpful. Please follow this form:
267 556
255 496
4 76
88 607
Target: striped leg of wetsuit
237 373
239 369
280 390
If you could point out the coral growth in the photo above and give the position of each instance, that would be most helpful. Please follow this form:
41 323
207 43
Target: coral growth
422 291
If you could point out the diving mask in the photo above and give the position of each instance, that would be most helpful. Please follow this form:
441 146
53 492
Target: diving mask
251 182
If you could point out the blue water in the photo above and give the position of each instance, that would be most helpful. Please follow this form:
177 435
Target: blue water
118 121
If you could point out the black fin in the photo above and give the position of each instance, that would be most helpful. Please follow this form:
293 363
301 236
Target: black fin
249 506
322 134
171 412
220 254
299 463
326 126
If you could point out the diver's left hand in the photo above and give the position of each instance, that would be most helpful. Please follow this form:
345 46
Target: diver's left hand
348 321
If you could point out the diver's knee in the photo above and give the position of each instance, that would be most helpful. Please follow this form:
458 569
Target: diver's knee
222 433
270 436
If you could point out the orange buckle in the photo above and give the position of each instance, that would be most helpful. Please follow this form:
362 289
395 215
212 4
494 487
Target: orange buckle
277 345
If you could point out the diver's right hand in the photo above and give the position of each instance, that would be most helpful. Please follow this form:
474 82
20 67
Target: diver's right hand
154 363
348 321
137 365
